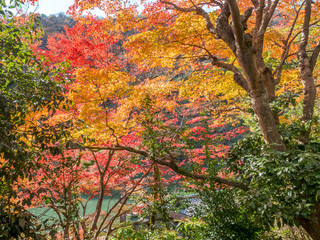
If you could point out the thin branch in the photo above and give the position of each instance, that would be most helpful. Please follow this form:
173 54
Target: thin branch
170 162
238 77
181 9
255 3
97 163
285 53
229 109
267 18
110 156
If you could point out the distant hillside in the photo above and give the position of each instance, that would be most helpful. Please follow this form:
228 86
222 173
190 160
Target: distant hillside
54 24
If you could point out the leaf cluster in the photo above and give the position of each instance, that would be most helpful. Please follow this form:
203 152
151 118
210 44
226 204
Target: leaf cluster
27 88
226 217
282 185
18 224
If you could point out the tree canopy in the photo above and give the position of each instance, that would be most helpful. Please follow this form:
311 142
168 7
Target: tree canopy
215 94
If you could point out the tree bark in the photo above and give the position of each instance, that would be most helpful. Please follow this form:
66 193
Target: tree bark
98 207
312 225
257 75
309 91
102 174
156 192
66 231
267 121
306 71
261 86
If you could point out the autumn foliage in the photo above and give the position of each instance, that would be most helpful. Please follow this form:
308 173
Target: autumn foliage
161 93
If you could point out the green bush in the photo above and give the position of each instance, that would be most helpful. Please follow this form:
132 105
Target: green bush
226 217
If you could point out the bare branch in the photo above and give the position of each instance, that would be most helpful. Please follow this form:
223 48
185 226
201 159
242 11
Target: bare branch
238 77
223 28
97 163
245 17
305 70
236 23
268 16
305 27
119 148
215 111
314 56
172 165
285 53
259 15
170 162
255 3
206 17
181 9
217 3
110 156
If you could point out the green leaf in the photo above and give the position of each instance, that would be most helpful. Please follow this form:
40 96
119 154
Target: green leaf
12 84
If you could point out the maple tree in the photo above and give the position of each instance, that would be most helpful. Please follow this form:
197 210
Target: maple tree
205 62
118 113
259 49
61 181
94 63
26 88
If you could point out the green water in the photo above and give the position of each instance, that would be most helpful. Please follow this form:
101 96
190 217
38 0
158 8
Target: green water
108 202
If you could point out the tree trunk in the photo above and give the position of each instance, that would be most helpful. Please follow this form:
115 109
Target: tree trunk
99 206
312 225
123 217
310 93
267 121
156 192
66 231
262 92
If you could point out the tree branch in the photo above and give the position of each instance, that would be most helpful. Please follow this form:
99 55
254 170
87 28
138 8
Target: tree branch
236 23
305 27
306 72
314 56
259 15
206 17
217 111
181 9
237 76
267 17
223 28
172 165
285 53
245 17
255 3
